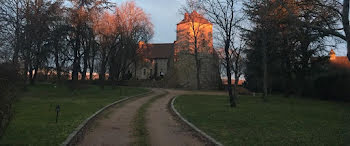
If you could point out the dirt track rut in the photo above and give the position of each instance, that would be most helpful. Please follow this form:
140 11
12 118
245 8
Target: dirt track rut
164 129
114 126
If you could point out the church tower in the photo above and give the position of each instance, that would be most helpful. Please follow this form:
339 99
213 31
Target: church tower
332 55
193 30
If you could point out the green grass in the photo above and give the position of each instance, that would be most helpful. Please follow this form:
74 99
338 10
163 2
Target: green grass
139 126
281 121
34 119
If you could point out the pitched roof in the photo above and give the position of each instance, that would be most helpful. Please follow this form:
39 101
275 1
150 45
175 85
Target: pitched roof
194 17
163 51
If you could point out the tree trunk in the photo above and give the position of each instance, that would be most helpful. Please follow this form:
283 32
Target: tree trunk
102 74
92 68
345 21
58 67
235 89
264 61
25 73
30 74
83 76
136 70
197 63
15 54
228 72
75 66
197 70
36 68
76 61
17 35
86 59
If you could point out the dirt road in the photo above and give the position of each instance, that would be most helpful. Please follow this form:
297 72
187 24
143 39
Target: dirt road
164 129
114 126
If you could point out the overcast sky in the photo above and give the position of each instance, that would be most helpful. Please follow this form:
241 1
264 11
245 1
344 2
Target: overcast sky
165 15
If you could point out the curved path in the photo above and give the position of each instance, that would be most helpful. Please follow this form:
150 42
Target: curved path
164 129
114 126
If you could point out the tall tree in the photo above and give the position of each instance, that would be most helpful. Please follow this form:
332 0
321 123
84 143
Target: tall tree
59 43
11 20
290 44
196 37
134 26
119 35
223 14
40 16
81 13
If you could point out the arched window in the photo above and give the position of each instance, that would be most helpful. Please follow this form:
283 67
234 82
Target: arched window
144 71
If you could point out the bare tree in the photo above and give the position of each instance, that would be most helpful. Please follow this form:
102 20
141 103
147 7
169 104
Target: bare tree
196 36
118 36
81 13
340 11
238 61
40 17
11 20
105 27
59 43
134 26
222 13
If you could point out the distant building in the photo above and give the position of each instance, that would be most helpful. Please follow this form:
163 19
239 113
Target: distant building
338 61
175 62
225 82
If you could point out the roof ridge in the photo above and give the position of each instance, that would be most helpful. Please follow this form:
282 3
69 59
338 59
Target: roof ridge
161 44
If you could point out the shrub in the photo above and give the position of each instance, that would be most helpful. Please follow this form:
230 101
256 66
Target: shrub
333 86
8 79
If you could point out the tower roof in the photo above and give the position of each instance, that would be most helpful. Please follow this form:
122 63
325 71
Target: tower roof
194 17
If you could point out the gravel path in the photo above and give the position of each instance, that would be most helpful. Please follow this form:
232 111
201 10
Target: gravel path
164 129
113 127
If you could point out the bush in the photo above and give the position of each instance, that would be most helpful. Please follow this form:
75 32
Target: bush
333 86
8 79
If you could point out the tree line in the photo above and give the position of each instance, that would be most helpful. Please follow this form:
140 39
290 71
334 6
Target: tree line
72 37
288 45
278 45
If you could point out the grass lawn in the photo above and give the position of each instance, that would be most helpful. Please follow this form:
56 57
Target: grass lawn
281 121
34 121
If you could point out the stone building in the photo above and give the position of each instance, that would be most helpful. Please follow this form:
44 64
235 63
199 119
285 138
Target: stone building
175 62
155 62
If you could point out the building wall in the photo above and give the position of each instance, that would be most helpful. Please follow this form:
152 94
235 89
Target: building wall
146 69
162 66
185 37
185 71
